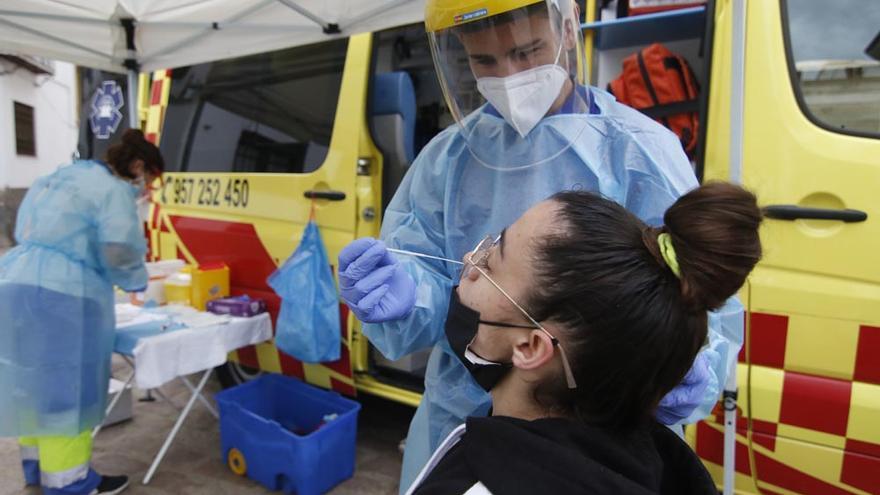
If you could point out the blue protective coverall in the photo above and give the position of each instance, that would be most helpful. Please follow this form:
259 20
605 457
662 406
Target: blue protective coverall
449 200
79 235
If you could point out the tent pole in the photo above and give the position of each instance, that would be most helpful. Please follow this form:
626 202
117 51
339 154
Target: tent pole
737 86
133 120
737 110
328 27
56 39
133 68
53 17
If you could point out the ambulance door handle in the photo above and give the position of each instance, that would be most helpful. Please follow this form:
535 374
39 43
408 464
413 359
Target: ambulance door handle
794 212
325 194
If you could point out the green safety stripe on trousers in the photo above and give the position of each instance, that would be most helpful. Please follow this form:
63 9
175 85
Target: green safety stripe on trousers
62 454
28 441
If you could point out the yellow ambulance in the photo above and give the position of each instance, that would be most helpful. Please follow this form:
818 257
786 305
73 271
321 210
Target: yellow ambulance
253 143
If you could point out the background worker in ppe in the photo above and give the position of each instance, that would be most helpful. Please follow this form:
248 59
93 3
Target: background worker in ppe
79 235
528 126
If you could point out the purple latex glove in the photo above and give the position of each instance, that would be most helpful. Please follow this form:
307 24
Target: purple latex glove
373 284
681 401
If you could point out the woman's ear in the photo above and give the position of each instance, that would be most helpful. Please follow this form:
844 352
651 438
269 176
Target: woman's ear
532 350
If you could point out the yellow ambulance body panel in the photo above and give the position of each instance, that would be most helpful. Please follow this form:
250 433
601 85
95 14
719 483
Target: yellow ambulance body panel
809 388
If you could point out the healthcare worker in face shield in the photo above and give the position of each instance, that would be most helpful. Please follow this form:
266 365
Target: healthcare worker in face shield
528 126
79 235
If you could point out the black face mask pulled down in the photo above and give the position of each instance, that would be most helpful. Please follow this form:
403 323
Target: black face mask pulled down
462 324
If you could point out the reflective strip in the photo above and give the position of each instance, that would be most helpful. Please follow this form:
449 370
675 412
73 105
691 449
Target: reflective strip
29 453
64 478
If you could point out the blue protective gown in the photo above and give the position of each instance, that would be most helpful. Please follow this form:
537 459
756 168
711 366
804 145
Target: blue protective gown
78 234
449 200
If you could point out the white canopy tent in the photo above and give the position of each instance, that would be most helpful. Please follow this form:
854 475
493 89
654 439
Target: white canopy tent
144 35
173 33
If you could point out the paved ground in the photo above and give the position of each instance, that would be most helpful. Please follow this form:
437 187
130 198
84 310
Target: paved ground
193 465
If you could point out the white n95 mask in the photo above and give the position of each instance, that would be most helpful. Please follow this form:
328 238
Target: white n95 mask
525 97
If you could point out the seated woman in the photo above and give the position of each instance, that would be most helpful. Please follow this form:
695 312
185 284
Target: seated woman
579 318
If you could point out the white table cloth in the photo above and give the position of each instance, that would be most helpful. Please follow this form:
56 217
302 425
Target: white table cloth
163 357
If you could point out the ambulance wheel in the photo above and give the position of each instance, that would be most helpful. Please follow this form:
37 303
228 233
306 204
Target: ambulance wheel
236 462
232 374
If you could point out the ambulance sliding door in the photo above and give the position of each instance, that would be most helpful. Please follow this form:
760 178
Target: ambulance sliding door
811 148
248 142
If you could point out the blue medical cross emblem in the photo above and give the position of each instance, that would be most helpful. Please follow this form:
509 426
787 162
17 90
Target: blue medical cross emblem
105 116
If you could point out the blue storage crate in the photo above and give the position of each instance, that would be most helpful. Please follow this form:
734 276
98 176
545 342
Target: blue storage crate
271 430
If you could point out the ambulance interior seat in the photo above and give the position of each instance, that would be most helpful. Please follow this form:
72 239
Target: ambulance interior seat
393 123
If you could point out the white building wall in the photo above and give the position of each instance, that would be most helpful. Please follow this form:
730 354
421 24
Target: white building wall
54 99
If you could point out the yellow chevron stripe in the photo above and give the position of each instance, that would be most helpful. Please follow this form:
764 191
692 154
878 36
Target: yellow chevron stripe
864 413
267 357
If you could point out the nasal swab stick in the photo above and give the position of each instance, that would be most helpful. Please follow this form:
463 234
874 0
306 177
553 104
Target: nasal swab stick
410 253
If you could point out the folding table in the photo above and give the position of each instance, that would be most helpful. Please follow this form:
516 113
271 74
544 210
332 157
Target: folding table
160 353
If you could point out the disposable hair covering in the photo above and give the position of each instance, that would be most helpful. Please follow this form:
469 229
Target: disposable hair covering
308 326
78 235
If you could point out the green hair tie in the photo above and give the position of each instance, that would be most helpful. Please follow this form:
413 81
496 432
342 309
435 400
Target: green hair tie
668 253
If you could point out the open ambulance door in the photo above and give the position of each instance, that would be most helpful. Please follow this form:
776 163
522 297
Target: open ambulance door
405 111
250 144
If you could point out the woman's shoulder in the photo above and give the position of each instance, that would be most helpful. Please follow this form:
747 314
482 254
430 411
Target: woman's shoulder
447 471
499 455
559 455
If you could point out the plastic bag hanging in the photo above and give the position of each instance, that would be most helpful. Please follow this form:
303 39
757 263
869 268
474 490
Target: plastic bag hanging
308 326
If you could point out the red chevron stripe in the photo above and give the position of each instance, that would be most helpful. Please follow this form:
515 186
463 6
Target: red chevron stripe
860 470
868 355
156 94
815 402
768 335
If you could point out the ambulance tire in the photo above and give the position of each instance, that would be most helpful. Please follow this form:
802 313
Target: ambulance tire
232 374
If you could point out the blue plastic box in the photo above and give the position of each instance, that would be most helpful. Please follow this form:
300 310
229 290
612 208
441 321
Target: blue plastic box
283 433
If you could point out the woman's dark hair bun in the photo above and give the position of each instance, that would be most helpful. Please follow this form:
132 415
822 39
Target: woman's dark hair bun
134 137
714 231
134 146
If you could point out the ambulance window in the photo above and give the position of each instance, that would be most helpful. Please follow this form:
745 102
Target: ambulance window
266 113
402 128
837 82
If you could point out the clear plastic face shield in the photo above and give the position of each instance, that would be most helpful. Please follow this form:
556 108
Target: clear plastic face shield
513 75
